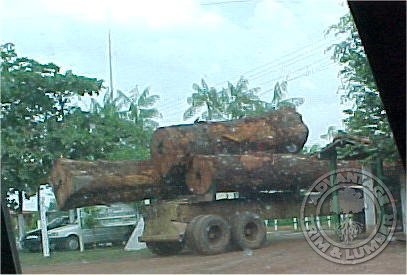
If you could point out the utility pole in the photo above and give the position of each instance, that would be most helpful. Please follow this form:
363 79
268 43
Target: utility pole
110 67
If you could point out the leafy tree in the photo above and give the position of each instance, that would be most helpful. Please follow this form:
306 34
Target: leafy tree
330 134
32 93
279 100
140 108
367 116
235 101
207 98
242 101
119 128
309 150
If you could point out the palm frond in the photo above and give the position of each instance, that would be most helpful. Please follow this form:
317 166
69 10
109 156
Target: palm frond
190 112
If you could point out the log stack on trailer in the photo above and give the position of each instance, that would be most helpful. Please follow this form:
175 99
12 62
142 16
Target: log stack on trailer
172 148
188 165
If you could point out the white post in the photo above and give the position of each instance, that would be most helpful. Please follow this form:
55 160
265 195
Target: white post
21 228
370 211
306 223
318 222
78 216
275 224
44 230
329 221
295 224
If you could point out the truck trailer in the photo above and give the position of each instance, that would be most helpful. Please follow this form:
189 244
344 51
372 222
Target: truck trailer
256 158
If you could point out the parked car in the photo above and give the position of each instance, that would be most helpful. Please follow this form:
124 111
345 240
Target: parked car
32 239
111 227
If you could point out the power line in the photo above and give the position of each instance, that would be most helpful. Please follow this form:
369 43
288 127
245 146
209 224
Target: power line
295 56
284 65
281 57
224 2
306 67
271 66
302 68
305 73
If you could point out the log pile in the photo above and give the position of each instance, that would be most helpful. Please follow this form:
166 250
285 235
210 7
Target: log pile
259 171
245 155
280 131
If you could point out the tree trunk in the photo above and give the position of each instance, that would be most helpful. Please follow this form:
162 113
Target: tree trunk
172 148
256 172
81 183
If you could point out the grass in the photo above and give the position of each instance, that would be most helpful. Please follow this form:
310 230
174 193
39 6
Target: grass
89 255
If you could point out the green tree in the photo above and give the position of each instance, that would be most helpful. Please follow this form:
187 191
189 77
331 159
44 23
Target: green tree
309 150
236 101
279 97
242 101
207 98
367 116
32 94
118 128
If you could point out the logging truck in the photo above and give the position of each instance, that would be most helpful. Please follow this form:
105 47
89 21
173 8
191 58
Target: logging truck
257 158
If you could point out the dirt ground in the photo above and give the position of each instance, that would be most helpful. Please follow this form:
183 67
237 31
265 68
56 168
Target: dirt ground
285 254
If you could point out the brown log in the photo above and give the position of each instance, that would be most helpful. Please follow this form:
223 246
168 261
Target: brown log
280 131
80 183
256 172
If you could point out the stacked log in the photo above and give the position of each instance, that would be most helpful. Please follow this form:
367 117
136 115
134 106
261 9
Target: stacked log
279 131
246 155
256 172
80 183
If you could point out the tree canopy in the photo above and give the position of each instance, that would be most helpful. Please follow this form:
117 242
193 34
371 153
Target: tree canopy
40 122
367 116
235 101
32 93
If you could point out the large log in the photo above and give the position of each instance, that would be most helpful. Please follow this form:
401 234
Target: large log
279 131
81 183
256 172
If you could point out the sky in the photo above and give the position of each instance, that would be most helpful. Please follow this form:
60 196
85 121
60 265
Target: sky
169 45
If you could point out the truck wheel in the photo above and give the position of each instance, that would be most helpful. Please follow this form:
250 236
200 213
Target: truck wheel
248 231
188 232
72 243
165 248
211 234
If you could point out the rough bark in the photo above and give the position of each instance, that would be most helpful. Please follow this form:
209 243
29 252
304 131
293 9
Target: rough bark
280 131
256 172
81 183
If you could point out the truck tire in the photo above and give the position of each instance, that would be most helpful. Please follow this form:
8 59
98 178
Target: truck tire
188 232
165 248
72 243
211 235
248 231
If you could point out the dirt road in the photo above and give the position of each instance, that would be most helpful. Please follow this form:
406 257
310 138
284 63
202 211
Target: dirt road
290 254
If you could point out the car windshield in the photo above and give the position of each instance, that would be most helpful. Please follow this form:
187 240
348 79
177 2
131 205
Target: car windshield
198 136
57 222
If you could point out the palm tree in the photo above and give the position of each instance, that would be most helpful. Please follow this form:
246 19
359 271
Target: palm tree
208 98
135 107
140 108
129 120
243 101
280 92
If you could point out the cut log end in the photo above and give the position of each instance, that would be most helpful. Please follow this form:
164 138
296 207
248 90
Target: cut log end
78 183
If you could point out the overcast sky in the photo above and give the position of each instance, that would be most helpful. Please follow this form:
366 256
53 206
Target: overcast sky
169 45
